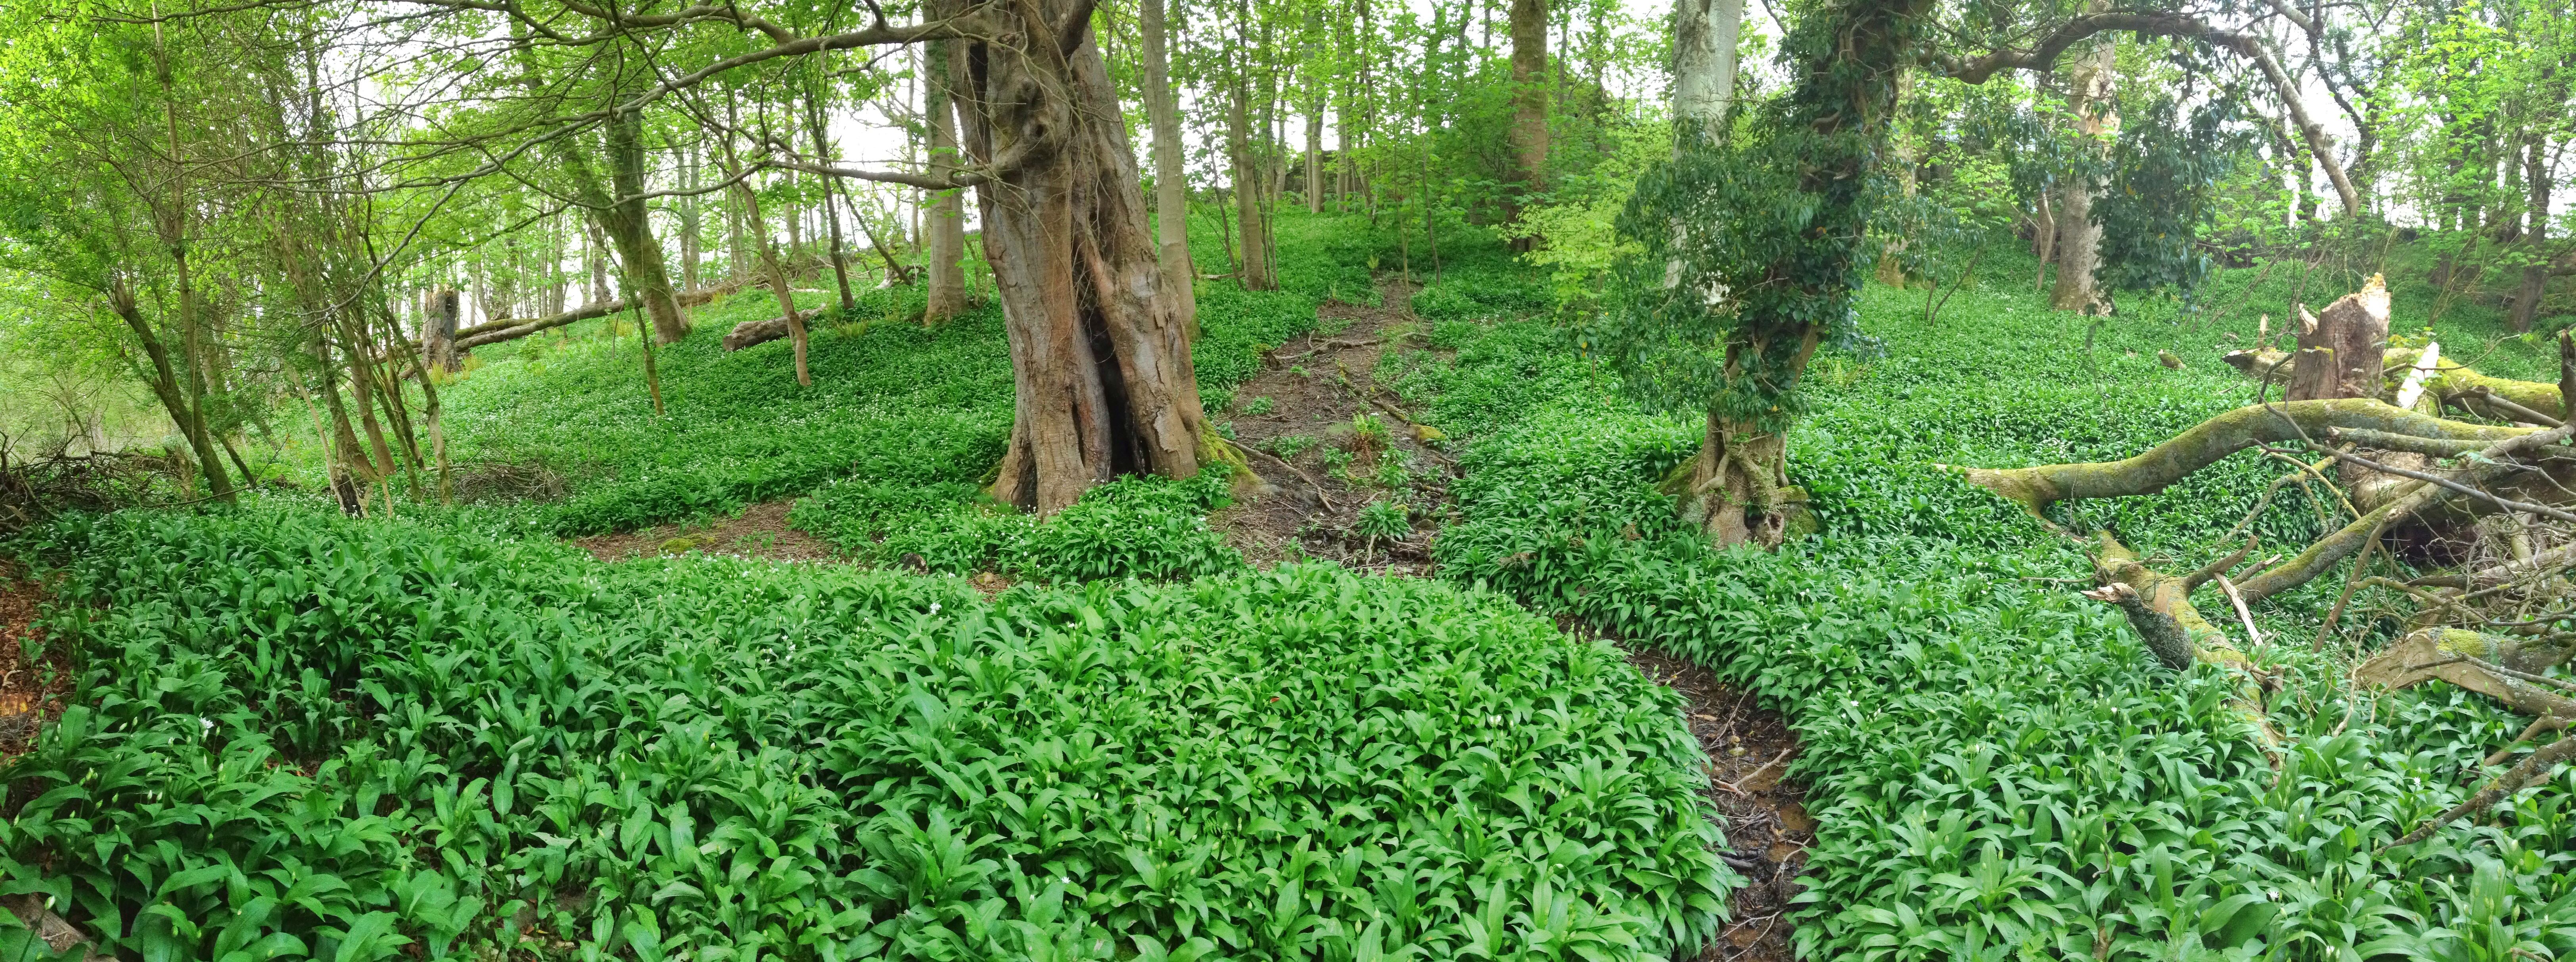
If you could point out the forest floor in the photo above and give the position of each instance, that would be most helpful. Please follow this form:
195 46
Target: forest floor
31 692
1298 420
759 531
1307 393
1768 831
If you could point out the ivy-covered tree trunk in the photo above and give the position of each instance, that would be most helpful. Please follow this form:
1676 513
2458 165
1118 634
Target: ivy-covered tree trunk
1099 359
1718 264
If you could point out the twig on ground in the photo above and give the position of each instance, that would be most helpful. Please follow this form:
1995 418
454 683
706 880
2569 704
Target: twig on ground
1301 475
1748 776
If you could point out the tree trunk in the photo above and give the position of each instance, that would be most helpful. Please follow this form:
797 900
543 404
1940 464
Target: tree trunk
1315 154
769 261
689 225
174 398
1737 490
2535 238
2045 244
1255 273
946 273
2079 239
1705 34
1529 106
1900 153
1100 362
438 329
1171 174
831 192
627 223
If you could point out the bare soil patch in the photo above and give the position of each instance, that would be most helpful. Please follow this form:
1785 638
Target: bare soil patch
31 691
1749 751
760 531
1322 427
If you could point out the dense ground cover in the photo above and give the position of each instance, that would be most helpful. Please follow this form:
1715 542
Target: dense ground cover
299 733
1999 768
306 735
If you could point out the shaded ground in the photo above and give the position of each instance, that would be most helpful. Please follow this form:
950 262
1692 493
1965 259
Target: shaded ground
1749 748
1296 417
760 531
31 692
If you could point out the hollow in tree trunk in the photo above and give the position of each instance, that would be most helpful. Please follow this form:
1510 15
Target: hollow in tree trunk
1099 360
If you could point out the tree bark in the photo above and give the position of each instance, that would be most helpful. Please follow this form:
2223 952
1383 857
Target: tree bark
1705 34
173 396
1529 106
1315 154
2341 351
627 223
945 278
831 193
1900 152
1255 273
2079 239
1171 174
1100 362
2535 237
438 329
769 262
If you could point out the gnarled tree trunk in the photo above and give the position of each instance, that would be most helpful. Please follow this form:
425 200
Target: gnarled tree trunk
1098 352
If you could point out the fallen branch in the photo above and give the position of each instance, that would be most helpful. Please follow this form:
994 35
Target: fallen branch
1301 475
1748 776
1328 345
2500 402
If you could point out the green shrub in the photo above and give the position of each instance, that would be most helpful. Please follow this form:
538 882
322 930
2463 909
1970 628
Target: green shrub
353 740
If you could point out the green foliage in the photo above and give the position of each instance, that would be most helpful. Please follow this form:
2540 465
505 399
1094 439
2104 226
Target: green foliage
1998 768
2162 193
1137 526
298 734
1383 519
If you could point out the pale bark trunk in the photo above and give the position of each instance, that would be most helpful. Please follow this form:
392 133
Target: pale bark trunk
1705 33
2079 239
945 275
1100 362
1171 174
1315 156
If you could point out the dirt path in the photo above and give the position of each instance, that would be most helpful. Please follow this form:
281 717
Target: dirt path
760 531
31 693
1749 750
1332 438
